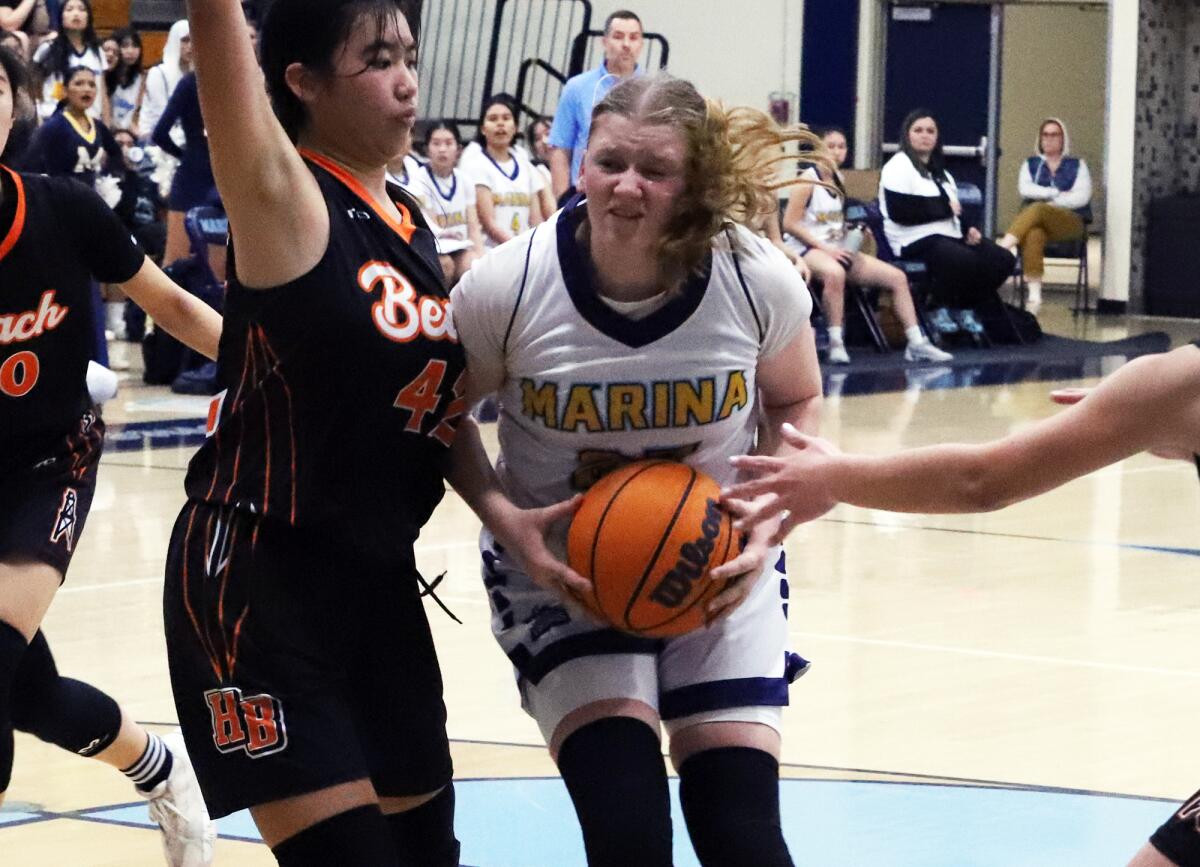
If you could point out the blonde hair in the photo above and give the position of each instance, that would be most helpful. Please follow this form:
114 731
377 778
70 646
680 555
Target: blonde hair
730 170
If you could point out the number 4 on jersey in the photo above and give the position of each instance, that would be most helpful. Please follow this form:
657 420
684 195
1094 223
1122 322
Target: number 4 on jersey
422 396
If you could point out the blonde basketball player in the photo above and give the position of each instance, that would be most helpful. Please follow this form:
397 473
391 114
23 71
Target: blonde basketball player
1151 404
644 320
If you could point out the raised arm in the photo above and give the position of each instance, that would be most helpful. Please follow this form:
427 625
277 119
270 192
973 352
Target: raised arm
13 15
277 215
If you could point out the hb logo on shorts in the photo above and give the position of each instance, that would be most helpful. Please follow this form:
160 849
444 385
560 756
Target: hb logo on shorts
253 725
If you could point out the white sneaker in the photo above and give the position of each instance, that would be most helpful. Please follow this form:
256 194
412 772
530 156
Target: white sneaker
1034 305
189 836
838 354
925 351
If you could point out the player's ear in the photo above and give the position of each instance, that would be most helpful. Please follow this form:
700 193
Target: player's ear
581 184
301 81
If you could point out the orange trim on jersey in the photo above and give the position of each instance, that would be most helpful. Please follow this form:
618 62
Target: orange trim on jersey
18 226
404 228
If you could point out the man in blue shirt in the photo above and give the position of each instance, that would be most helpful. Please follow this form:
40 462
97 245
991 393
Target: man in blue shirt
573 120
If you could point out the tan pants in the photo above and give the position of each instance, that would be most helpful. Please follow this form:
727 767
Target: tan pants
1038 225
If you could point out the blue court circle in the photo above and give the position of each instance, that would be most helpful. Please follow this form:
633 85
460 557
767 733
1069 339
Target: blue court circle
832 823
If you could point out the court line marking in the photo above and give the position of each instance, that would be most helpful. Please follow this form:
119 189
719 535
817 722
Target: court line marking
995 654
928 781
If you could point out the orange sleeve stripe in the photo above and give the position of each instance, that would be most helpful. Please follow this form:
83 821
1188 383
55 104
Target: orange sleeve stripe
18 226
404 228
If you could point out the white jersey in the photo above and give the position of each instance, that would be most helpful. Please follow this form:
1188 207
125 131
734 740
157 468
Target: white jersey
825 215
409 179
446 203
54 89
513 185
582 387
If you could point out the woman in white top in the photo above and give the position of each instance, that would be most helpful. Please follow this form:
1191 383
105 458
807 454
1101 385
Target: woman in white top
162 79
537 138
506 183
126 82
75 45
815 217
448 202
1057 190
921 212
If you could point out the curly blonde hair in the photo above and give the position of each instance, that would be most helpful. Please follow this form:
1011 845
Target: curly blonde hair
731 167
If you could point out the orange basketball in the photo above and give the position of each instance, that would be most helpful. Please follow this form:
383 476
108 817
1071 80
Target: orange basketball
646 537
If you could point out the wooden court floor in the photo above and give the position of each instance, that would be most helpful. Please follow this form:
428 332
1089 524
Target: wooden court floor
1051 645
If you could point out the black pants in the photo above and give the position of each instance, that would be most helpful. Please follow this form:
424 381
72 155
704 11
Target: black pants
965 276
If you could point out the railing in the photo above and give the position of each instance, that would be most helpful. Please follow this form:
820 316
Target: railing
472 49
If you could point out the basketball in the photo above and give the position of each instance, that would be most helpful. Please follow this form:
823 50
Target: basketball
646 536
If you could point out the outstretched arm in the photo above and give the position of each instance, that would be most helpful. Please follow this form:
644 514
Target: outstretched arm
181 313
277 215
1151 403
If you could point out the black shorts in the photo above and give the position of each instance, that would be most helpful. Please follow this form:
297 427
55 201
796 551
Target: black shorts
45 502
296 666
1179 837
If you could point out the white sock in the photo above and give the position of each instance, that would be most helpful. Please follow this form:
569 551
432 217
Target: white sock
835 335
1035 291
914 334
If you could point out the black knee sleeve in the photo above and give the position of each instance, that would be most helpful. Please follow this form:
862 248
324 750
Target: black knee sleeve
61 711
358 837
424 836
730 800
617 779
12 651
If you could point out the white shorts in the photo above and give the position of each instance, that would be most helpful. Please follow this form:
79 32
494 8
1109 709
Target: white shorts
738 670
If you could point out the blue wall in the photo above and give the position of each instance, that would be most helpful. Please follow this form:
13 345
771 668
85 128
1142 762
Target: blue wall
829 68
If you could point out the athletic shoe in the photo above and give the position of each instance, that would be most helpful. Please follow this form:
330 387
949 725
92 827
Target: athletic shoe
967 322
189 836
925 351
838 354
943 322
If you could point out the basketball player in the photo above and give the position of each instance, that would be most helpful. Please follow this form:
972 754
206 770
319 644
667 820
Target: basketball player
644 320
1151 404
301 660
56 236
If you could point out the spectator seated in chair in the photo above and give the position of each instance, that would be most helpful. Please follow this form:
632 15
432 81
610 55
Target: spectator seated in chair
1057 190
922 219
816 221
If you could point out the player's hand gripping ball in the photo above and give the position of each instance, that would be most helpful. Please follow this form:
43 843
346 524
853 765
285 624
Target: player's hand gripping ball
646 536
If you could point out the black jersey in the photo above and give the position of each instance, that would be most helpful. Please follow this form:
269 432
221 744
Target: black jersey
56 237
342 388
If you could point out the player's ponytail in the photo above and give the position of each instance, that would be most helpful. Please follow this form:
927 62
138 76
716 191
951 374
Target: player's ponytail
731 168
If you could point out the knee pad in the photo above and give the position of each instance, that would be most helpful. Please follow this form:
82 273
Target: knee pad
357 836
615 773
730 800
61 711
12 651
424 835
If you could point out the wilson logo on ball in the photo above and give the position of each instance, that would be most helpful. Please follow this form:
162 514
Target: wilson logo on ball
676 585
648 536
